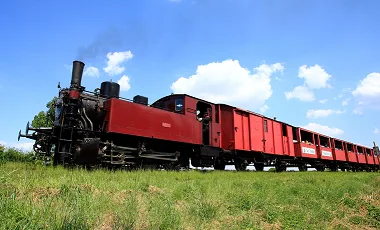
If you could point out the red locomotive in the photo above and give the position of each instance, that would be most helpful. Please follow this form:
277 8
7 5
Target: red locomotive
101 128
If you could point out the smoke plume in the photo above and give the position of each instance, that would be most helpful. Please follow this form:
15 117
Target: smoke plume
109 40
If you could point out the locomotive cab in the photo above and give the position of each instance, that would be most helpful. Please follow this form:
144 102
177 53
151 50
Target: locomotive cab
171 103
204 113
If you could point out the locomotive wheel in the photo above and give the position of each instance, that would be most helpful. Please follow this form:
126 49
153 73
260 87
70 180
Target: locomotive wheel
240 165
302 167
320 168
219 166
280 166
259 167
333 168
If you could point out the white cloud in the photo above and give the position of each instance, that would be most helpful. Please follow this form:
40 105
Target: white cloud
263 108
323 101
376 131
228 82
115 59
315 76
322 129
26 146
300 92
124 83
368 90
91 71
311 113
345 102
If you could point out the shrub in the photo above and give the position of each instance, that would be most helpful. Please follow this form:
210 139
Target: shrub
15 155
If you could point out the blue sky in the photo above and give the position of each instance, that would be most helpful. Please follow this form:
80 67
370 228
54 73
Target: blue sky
309 63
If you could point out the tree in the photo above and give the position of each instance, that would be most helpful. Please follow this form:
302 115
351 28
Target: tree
45 119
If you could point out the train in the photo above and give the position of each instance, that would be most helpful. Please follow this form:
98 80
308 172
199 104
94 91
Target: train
102 129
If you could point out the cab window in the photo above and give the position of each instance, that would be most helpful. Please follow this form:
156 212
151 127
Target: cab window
179 105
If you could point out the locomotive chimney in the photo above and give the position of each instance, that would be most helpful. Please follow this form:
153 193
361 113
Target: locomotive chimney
76 77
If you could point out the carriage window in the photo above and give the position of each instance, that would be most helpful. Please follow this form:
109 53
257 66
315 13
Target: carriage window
360 150
179 105
368 152
294 131
265 126
284 130
324 142
306 137
338 145
349 147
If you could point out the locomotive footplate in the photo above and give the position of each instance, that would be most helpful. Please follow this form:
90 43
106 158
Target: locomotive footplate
116 154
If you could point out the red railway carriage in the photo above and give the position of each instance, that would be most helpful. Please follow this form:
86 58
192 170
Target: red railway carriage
360 154
338 150
351 152
305 146
247 131
324 150
369 156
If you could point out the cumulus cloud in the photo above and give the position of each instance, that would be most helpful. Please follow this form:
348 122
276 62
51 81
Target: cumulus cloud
367 93
115 59
228 82
323 129
91 71
323 101
301 93
26 146
124 83
376 131
319 113
315 77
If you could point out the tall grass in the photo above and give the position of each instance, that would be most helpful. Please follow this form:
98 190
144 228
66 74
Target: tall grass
42 197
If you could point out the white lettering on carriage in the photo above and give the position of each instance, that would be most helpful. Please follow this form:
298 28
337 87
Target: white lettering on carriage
326 153
308 150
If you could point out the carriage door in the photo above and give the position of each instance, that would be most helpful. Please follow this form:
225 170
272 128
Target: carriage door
204 114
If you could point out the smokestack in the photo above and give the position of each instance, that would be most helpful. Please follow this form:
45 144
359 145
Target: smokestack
76 77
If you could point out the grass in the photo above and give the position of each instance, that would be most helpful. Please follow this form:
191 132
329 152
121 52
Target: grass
39 197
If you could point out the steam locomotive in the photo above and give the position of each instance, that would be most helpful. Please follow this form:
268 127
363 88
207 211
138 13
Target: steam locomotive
100 128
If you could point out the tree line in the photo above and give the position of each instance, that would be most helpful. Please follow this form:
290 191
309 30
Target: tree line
42 119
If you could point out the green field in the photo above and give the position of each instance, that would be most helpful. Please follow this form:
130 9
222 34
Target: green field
38 197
